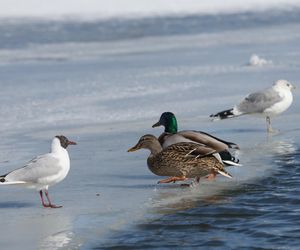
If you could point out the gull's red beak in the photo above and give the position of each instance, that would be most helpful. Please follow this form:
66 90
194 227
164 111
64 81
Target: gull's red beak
72 143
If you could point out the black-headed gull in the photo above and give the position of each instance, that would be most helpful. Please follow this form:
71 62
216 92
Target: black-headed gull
267 103
44 170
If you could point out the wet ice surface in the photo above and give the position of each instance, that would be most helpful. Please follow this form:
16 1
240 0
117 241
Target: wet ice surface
110 193
105 96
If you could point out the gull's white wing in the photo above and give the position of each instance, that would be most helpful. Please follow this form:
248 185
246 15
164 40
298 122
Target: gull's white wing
40 167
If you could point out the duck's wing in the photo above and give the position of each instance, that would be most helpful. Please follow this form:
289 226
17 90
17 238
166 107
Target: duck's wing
189 153
208 140
167 139
206 145
201 150
190 149
38 168
163 137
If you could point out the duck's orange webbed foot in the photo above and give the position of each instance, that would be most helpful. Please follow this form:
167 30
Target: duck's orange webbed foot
212 175
173 179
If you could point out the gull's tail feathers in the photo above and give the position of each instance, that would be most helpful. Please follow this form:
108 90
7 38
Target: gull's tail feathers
229 113
2 179
4 182
12 183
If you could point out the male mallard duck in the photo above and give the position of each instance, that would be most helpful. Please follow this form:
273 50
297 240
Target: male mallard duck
210 143
180 161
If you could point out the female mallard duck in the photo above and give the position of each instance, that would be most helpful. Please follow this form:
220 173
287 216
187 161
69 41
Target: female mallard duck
180 161
210 143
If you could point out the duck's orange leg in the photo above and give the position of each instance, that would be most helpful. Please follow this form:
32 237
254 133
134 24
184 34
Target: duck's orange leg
197 181
212 175
173 179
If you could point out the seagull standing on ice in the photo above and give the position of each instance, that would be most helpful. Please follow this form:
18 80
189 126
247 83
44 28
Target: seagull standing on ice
267 103
44 170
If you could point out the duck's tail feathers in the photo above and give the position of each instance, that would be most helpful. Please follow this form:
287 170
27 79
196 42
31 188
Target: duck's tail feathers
223 115
224 173
228 143
232 163
228 159
233 145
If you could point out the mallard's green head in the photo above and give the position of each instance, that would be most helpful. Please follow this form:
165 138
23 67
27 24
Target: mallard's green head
147 142
168 120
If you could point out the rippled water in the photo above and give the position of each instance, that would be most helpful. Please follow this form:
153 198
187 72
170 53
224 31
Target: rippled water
258 214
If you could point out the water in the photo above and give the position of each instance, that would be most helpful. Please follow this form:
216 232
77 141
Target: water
103 83
18 35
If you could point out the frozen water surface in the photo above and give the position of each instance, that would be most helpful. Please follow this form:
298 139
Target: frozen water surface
106 94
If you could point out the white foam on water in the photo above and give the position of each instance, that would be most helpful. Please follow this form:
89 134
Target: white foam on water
256 60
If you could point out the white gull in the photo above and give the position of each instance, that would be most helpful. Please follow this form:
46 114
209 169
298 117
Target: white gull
267 103
44 170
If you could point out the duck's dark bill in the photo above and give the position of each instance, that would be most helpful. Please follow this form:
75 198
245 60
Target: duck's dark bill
156 125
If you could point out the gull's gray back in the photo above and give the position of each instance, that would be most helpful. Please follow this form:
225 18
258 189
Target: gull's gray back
259 101
38 168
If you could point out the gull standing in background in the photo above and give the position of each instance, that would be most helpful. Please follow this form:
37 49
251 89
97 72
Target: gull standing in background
44 170
267 103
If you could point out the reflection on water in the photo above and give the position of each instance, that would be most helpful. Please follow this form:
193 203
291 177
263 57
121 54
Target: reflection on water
282 147
52 226
32 225
179 198
15 204
59 240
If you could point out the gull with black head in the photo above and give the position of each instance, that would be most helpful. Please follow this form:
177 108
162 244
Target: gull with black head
43 171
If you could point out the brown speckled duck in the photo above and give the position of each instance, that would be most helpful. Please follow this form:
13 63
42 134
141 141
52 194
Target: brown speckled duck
180 161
